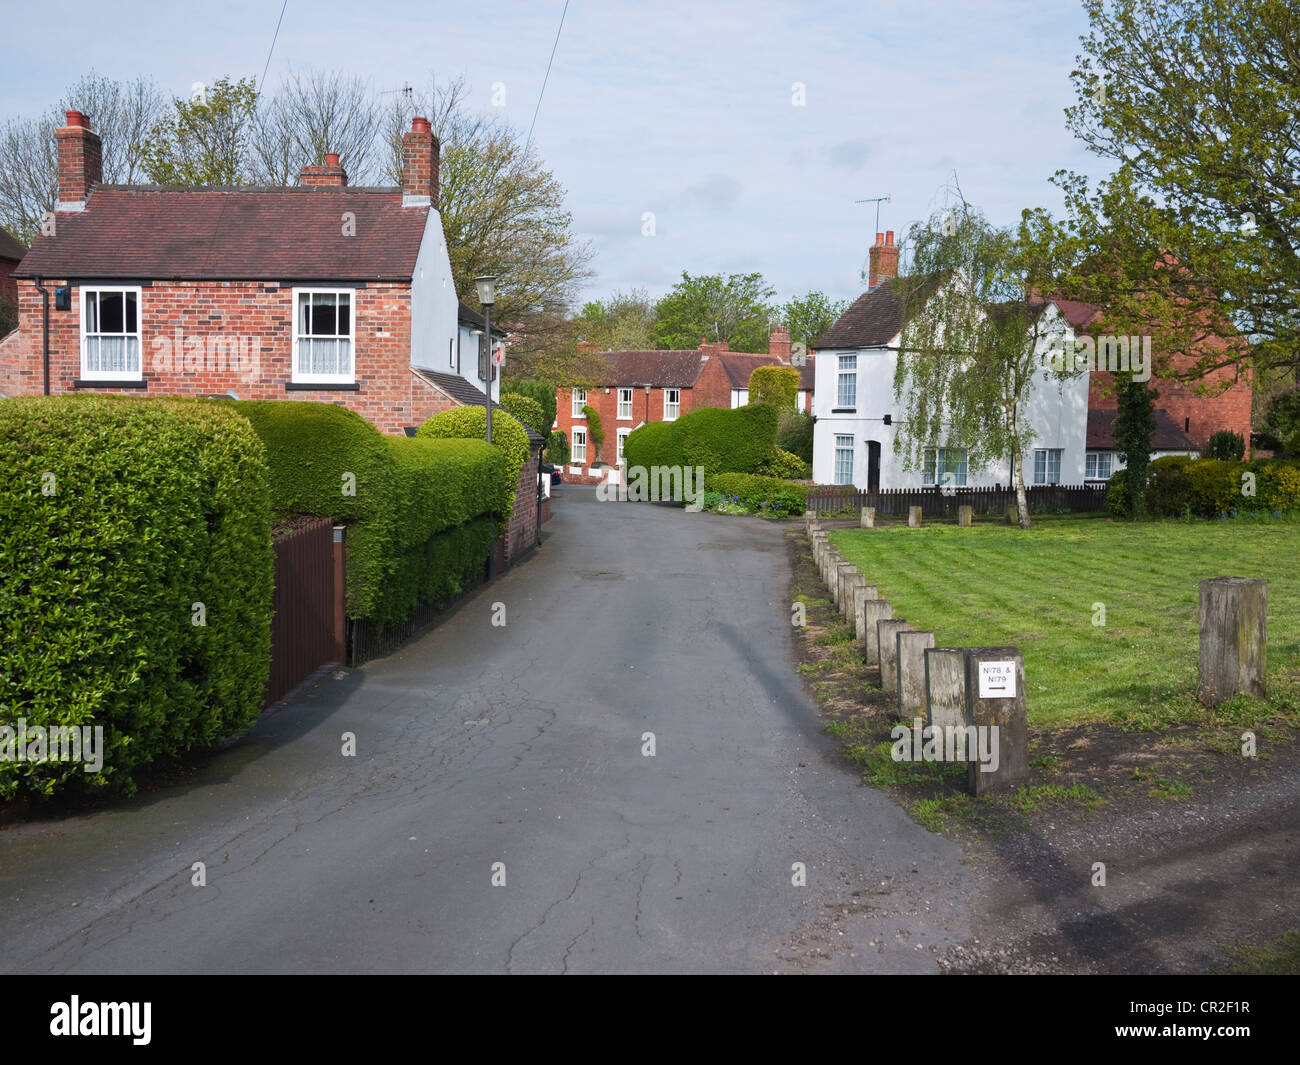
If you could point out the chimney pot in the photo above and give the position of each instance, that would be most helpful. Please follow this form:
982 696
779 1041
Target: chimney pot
331 158
76 118
880 238
420 125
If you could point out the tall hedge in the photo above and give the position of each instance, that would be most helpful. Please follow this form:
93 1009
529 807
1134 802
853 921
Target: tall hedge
777 385
393 493
1179 486
540 391
527 410
508 436
123 523
722 441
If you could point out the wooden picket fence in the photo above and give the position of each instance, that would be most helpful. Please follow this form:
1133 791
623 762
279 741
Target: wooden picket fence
942 502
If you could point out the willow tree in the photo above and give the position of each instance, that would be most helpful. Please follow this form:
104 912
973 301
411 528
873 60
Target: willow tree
973 339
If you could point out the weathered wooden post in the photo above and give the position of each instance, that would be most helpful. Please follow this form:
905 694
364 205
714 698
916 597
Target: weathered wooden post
945 687
913 517
1234 622
885 632
862 594
830 557
873 612
818 546
839 589
868 518
965 515
850 604
910 656
995 707
809 521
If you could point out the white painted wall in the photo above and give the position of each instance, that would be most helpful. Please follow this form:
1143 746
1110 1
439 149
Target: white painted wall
1057 413
435 330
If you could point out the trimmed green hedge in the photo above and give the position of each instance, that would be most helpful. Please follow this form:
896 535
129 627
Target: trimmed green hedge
527 410
557 448
543 393
509 438
770 494
722 441
393 492
777 385
117 516
784 465
1178 486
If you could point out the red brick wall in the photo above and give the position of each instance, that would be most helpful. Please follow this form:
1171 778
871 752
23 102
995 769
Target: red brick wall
606 405
259 313
713 387
1200 416
521 530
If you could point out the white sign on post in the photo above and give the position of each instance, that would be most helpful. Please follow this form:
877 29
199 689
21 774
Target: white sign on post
997 680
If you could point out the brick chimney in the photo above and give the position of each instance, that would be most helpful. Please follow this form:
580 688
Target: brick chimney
420 165
778 344
81 164
329 174
884 259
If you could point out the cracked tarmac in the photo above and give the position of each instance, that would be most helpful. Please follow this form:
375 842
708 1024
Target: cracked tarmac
521 745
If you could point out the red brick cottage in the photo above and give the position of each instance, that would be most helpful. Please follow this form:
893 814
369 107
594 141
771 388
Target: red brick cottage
656 386
324 292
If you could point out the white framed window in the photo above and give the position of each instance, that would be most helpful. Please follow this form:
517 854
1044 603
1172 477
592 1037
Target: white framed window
1047 465
672 404
110 333
846 393
579 401
324 335
1099 465
625 403
944 466
843 459
578 447
623 434
739 398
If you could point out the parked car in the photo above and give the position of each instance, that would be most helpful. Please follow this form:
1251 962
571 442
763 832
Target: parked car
554 471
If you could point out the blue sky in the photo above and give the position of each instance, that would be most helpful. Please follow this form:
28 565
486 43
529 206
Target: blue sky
682 108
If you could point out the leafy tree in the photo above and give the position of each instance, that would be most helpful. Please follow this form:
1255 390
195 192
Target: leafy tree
972 342
1281 428
557 447
1227 445
1133 426
121 112
808 317
204 140
777 385
624 322
1199 224
732 308
503 213
794 433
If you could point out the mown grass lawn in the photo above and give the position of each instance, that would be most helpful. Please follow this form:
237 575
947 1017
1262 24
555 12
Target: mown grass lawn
1039 590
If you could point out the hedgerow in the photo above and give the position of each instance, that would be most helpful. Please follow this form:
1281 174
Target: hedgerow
722 441
135 580
769 494
509 437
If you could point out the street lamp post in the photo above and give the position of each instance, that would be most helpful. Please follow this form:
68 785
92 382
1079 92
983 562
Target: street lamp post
486 285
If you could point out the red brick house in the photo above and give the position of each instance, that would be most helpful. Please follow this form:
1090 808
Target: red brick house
1196 410
656 386
11 254
323 292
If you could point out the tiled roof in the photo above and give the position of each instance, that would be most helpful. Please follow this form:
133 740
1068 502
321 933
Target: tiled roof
872 320
661 369
467 395
1166 437
290 234
808 374
10 248
1079 315
738 365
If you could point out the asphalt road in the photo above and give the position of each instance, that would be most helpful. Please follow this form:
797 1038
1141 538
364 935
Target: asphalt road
520 745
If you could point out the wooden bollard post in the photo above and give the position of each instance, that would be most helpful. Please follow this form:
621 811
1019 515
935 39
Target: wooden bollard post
868 518
910 656
850 604
885 632
945 687
809 521
862 594
995 699
833 559
965 515
839 588
873 611
1234 623
913 517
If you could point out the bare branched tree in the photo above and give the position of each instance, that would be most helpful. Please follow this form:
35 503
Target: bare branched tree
311 114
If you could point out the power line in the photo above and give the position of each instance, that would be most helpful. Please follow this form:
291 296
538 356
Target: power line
261 83
548 74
